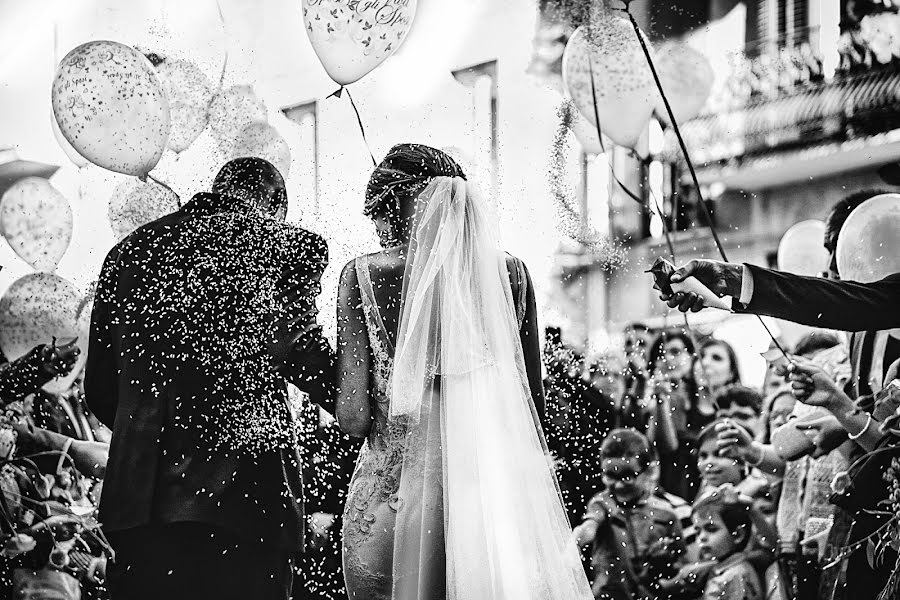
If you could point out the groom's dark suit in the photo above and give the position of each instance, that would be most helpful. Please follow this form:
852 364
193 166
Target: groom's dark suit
843 305
197 439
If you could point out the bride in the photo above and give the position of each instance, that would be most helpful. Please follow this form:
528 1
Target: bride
439 368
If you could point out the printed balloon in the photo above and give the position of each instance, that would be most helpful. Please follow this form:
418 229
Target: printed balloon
71 153
687 77
231 111
623 83
134 204
36 220
263 141
35 309
111 106
868 248
189 92
353 38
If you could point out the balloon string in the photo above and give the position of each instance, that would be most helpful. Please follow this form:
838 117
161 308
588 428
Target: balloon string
225 58
362 129
687 158
165 185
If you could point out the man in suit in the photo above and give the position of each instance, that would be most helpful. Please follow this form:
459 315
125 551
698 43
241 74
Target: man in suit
199 319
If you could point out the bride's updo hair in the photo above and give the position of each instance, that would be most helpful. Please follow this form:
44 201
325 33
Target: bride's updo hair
396 183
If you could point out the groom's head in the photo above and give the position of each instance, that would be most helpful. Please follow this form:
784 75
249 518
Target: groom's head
255 181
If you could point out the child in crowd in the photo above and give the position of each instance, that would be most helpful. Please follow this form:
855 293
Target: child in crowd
742 405
635 538
724 531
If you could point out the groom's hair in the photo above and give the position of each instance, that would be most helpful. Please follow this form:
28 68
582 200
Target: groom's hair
253 180
842 209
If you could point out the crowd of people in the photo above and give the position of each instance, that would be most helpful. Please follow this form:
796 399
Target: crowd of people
679 481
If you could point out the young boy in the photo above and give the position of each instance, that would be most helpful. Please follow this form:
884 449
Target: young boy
742 405
724 530
635 538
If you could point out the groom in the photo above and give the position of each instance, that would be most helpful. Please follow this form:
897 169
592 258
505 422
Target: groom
199 318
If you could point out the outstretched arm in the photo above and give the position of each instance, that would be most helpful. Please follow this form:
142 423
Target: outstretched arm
353 411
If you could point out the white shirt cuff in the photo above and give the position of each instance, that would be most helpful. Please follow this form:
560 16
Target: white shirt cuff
746 286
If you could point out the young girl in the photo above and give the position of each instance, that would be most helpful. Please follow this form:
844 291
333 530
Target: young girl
724 530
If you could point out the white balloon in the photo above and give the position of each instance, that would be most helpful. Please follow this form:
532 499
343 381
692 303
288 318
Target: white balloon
263 141
353 38
189 92
801 251
111 106
231 111
687 78
71 153
37 221
623 83
868 247
35 309
134 204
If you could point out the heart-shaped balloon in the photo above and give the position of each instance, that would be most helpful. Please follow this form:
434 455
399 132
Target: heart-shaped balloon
623 83
353 38
189 92
35 309
134 204
263 141
36 220
686 76
231 111
111 106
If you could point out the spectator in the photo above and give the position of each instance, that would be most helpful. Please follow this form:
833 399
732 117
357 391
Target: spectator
742 405
638 339
676 412
635 538
716 366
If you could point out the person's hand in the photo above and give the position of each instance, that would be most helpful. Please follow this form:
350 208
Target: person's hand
57 361
811 385
287 331
320 523
586 532
828 434
723 279
735 442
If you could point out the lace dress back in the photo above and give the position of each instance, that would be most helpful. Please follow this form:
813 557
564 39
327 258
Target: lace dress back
373 500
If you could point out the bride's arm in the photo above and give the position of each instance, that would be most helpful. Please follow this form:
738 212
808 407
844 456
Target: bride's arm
353 412
531 347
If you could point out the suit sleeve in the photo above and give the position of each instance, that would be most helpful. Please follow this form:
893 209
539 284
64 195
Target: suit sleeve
530 337
22 376
101 388
843 305
311 363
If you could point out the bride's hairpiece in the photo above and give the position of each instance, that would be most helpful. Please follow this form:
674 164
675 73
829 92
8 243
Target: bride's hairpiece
404 172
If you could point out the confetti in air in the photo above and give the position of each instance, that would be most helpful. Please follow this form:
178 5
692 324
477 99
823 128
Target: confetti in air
610 253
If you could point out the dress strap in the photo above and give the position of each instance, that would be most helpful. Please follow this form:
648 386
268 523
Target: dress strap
370 307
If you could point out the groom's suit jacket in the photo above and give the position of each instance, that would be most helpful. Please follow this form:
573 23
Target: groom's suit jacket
201 421
842 305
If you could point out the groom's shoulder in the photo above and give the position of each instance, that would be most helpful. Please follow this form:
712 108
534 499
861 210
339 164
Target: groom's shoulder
303 243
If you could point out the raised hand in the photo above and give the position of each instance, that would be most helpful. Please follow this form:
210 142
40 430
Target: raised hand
59 360
723 279
811 385
735 442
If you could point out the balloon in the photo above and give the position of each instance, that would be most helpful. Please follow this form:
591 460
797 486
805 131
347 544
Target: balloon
135 204
111 106
189 92
586 134
35 309
36 220
71 153
353 38
687 78
622 80
263 141
868 247
231 111
801 251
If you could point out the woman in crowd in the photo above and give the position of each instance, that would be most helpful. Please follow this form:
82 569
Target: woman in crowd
716 366
676 412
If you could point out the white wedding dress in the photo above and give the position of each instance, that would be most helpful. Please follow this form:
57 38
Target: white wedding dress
453 495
